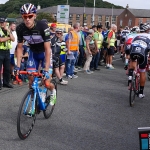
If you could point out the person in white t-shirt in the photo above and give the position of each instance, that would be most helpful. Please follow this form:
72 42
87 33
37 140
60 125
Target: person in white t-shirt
12 50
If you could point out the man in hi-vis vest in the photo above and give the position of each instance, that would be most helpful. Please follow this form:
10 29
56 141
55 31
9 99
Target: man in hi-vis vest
111 46
73 50
5 45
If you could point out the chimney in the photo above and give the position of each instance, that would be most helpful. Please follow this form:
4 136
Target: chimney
127 6
38 7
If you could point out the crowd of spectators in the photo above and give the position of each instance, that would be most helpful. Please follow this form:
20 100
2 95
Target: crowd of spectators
81 49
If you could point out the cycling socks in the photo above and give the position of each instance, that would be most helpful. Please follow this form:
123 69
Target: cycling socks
60 79
141 89
130 75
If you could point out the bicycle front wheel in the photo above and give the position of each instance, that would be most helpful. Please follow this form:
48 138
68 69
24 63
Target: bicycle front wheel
132 92
49 108
26 115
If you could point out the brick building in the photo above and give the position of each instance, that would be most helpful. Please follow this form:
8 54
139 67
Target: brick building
104 16
133 17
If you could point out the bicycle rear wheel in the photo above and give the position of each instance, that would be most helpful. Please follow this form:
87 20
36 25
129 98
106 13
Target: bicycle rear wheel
132 92
26 115
50 108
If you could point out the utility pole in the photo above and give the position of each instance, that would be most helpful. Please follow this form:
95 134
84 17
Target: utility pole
94 13
67 2
112 16
84 11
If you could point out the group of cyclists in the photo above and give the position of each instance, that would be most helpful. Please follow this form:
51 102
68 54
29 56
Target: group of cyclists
135 46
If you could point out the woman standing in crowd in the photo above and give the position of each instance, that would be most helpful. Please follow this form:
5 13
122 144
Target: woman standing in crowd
91 48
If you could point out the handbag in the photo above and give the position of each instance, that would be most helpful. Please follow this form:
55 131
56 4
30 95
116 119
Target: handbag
93 49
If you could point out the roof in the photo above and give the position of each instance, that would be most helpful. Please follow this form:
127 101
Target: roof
88 10
143 13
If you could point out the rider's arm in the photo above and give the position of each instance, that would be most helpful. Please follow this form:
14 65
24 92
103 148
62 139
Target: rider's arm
47 55
19 53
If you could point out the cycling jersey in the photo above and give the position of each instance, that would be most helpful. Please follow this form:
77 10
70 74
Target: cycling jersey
124 34
140 47
35 37
128 42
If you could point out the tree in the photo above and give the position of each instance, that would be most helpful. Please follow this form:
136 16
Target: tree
47 16
12 15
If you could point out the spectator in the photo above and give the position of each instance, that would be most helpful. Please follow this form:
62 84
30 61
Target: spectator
6 37
52 29
59 66
81 49
12 50
90 45
111 45
99 38
73 48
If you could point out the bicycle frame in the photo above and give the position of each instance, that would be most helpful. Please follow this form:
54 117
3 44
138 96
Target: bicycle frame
35 86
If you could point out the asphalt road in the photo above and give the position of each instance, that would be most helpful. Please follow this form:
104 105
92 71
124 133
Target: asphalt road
92 113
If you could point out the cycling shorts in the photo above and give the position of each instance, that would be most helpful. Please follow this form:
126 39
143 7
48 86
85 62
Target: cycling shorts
127 49
36 62
140 54
57 61
12 60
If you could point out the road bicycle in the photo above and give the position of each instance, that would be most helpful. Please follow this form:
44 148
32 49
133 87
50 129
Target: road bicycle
134 85
37 99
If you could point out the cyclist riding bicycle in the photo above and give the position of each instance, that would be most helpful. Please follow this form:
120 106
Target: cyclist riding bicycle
128 42
139 49
37 34
124 34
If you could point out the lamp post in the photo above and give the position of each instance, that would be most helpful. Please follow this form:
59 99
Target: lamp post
67 2
94 13
112 15
84 11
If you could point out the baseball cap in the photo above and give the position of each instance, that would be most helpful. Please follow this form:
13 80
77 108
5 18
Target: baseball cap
3 19
99 26
53 25
91 31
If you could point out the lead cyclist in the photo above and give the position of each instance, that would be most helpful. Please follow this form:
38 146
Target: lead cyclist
37 34
140 47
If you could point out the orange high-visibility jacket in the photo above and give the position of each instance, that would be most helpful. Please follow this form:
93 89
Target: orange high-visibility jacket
74 43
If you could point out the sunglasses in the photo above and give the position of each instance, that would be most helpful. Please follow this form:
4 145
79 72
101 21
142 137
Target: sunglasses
59 33
27 16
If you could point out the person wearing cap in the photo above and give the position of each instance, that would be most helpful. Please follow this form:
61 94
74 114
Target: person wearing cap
58 64
99 38
91 45
52 29
6 37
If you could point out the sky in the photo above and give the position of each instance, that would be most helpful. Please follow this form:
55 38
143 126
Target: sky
137 4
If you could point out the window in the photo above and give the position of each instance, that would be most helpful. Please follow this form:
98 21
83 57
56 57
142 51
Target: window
77 17
99 18
70 16
107 18
130 22
113 19
140 20
70 23
121 22
148 20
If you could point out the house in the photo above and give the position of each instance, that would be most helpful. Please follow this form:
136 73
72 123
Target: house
133 17
104 16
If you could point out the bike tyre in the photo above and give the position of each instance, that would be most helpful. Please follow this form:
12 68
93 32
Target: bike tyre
21 135
47 113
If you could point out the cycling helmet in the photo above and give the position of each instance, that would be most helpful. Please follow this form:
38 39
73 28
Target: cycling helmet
144 27
126 28
28 8
135 29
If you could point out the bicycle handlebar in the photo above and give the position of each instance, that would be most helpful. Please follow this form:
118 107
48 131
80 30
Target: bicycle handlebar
28 73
